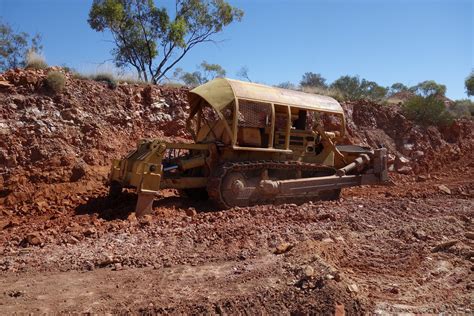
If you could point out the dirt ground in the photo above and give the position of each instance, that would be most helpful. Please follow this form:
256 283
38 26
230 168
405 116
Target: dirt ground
407 247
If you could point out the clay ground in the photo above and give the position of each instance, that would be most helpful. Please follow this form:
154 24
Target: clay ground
372 251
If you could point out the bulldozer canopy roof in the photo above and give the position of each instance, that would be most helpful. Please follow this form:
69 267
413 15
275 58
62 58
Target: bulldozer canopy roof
222 91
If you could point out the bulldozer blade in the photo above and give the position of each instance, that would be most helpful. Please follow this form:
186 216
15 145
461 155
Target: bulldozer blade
144 204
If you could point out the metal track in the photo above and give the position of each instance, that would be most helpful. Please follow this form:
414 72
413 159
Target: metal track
215 184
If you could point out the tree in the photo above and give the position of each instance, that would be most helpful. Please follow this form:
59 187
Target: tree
462 108
14 47
205 73
469 83
429 110
311 79
371 90
244 73
429 87
148 39
397 87
348 86
353 88
286 85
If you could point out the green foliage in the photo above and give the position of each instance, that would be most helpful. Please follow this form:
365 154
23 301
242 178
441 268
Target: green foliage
14 47
469 83
353 88
311 79
107 78
429 87
205 73
35 61
149 40
80 76
462 108
397 87
56 81
429 110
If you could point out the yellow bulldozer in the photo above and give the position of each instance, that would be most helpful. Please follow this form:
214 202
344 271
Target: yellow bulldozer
253 144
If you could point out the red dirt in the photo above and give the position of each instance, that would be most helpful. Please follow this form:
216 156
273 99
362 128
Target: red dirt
66 247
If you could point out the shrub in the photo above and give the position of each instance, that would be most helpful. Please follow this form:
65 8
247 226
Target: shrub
462 108
173 85
68 70
330 92
106 77
56 81
35 61
78 75
428 110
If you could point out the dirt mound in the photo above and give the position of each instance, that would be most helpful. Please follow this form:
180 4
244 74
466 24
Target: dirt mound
413 148
52 138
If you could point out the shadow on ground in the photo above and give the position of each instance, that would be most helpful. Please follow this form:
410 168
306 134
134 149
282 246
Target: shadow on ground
120 207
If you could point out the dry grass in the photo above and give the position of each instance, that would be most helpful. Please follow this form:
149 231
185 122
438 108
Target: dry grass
35 61
56 81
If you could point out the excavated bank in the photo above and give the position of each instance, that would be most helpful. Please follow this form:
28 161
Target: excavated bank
67 247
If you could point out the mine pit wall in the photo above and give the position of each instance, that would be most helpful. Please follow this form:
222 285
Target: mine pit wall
53 146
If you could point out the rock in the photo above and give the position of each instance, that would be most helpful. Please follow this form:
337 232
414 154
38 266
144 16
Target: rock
329 277
191 212
282 248
4 224
72 240
469 235
11 223
308 271
339 310
132 217
405 170
444 245
146 220
77 172
402 165
422 178
394 290
327 240
90 231
353 288
325 216
407 149
33 239
117 266
5 84
421 235
444 189
106 261
401 161
418 154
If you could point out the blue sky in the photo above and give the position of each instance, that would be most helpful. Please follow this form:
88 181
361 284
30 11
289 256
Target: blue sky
385 41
